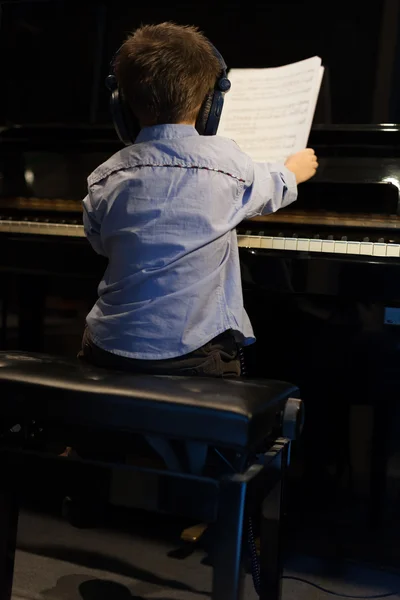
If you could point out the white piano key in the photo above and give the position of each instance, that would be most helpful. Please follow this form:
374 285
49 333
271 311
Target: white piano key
393 250
245 241
303 244
315 245
366 248
353 247
255 241
379 249
79 231
290 243
340 247
278 243
38 228
266 241
328 246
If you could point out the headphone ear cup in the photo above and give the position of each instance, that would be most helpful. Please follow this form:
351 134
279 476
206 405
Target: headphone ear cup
131 122
204 114
125 123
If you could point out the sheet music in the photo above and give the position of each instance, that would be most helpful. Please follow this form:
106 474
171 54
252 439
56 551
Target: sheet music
269 112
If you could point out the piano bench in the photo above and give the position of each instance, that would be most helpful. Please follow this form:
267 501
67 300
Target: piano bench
185 419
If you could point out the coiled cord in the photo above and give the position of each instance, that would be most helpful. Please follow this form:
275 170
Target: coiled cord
243 372
255 562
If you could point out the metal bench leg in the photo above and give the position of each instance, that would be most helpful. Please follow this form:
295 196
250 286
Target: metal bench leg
271 560
9 510
228 573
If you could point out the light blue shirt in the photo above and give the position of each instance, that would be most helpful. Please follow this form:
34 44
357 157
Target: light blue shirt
164 212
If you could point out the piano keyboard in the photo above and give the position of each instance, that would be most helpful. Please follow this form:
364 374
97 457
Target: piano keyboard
41 228
329 246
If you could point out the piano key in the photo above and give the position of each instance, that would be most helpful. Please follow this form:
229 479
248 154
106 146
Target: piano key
245 241
328 246
393 250
41 228
315 245
303 244
353 247
340 246
290 243
257 241
266 241
366 248
379 249
249 241
278 243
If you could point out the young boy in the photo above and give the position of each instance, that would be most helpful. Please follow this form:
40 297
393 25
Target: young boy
164 212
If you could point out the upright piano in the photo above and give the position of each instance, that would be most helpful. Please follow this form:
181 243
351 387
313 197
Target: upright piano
321 278
339 240
349 214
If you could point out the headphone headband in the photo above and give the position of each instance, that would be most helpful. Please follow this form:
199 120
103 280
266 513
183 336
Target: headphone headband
127 126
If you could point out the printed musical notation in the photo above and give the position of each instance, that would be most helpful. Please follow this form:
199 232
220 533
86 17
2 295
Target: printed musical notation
269 112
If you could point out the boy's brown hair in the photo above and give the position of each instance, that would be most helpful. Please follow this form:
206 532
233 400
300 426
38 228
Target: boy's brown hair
165 72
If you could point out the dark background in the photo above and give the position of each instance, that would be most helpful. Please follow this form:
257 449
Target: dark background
55 54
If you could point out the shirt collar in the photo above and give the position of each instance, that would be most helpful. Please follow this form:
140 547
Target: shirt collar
165 132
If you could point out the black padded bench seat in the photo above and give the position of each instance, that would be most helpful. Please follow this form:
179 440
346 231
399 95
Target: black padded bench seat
238 415
234 413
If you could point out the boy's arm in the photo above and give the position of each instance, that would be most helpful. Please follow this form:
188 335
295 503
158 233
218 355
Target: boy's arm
91 225
270 187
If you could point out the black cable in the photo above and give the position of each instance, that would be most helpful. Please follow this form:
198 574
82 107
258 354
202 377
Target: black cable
338 594
243 371
255 561
256 573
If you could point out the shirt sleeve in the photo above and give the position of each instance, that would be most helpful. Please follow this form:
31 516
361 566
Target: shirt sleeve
92 225
268 187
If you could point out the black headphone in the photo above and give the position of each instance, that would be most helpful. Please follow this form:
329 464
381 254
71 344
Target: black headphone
127 126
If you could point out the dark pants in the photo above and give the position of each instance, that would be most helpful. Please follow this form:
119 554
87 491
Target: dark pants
218 358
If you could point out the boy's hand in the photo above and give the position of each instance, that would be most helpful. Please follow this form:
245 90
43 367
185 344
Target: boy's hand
303 164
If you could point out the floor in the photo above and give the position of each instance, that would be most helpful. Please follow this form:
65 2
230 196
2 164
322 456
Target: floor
58 562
